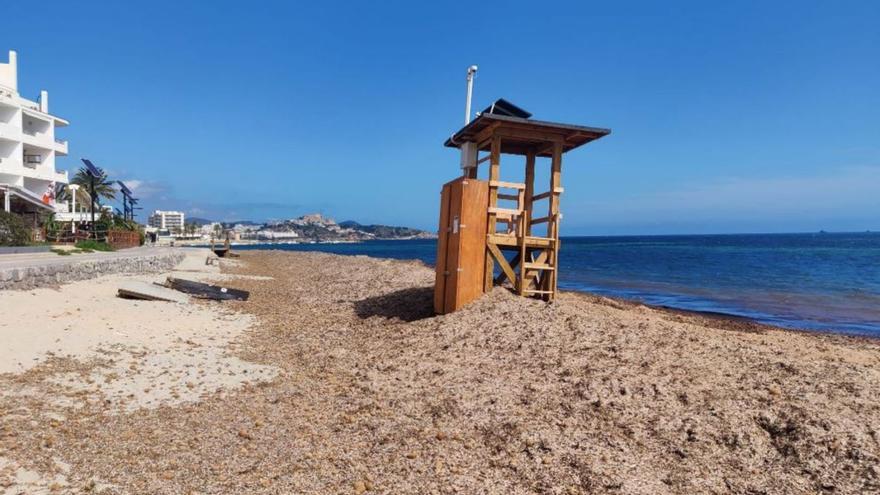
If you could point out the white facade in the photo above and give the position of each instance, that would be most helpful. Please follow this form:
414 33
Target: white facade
170 220
210 228
272 235
28 143
63 213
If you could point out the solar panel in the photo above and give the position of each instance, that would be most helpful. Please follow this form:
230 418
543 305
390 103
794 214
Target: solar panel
92 169
125 190
504 107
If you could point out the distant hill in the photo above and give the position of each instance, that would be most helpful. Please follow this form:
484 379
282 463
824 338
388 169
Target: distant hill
319 227
199 221
316 227
385 231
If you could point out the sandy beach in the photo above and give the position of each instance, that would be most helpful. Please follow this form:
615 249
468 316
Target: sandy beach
335 377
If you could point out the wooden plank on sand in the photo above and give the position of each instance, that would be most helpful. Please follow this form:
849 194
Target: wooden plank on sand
135 289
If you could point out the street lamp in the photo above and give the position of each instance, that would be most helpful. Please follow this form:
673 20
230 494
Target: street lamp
73 189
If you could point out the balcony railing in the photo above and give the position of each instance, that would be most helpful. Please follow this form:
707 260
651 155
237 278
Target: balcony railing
39 136
32 160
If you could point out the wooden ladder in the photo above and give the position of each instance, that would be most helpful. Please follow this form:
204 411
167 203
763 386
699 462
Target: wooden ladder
536 256
537 270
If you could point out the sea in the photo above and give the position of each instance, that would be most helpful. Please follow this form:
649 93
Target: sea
824 281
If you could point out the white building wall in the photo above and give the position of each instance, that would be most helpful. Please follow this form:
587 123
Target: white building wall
9 72
27 131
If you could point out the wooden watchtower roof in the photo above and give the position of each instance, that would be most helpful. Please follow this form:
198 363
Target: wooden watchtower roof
520 136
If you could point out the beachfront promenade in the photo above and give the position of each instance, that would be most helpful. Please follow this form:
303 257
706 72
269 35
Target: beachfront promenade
30 270
25 260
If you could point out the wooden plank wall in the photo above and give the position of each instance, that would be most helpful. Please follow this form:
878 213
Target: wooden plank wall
442 247
461 244
474 197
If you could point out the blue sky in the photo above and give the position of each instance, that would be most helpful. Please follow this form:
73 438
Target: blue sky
726 117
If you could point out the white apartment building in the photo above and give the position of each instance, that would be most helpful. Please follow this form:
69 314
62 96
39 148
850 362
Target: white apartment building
168 220
28 147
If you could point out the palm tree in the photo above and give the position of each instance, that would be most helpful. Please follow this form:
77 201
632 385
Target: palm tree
103 185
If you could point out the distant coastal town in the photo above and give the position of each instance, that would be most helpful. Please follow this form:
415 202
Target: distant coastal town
166 227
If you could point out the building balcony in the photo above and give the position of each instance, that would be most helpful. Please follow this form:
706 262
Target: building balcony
32 161
9 165
61 146
7 97
48 175
30 105
40 171
41 139
9 132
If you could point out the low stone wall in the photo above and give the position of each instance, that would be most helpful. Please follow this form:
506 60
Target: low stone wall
58 273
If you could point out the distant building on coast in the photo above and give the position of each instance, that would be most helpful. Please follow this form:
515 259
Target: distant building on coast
209 229
173 221
28 148
271 235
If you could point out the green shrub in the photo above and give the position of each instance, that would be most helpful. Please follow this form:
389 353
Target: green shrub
90 245
13 231
102 226
53 228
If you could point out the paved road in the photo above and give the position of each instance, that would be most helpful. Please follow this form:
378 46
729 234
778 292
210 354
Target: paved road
24 260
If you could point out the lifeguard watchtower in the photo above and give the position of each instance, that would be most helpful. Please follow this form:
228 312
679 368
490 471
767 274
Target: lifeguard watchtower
484 222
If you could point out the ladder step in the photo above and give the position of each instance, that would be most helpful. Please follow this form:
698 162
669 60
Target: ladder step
538 266
508 212
535 239
544 195
506 185
532 291
534 242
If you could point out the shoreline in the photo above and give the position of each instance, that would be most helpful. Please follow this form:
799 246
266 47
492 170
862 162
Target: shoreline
760 310
733 322
858 333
